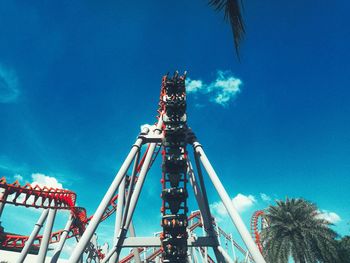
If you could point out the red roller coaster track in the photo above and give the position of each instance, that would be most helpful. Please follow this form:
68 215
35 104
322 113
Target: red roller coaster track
41 197
37 197
48 197
64 199
254 227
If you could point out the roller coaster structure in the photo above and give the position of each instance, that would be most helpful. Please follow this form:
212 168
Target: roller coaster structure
177 242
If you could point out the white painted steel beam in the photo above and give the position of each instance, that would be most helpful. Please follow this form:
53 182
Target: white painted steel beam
90 230
156 242
32 236
46 236
63 237
226 200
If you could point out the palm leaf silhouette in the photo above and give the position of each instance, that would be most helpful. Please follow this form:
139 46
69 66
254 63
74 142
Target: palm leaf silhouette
232 14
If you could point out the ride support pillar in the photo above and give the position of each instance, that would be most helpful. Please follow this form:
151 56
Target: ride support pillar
44 244
32 236
226 200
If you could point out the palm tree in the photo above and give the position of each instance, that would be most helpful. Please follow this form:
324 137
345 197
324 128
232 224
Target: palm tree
344 249
232 11
296 229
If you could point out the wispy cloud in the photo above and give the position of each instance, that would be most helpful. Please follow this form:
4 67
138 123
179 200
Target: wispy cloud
265 197
331 217
9 167
18 177
194 85
220 91
241 202
9 90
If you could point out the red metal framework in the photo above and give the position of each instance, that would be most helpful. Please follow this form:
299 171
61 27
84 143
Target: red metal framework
48 197
41 197
11 241
52 198
36 196
256 225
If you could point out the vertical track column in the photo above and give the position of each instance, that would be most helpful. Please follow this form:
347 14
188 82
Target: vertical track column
174 168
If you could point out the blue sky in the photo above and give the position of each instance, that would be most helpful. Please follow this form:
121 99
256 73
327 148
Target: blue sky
77 79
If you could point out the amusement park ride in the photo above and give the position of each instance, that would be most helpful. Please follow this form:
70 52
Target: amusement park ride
178 241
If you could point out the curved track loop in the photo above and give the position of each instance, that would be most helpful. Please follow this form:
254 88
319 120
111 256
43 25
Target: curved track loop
37 197
46 197
254 227
40 197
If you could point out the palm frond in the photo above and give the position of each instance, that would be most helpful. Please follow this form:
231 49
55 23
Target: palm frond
232 12
296 230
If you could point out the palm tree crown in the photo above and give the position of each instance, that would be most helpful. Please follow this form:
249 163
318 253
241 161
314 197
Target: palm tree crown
296 229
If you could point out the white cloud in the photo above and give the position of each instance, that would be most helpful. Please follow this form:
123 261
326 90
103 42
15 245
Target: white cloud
18 177
241 202
193 86
329 216
265 197
8 85
218 209
225 88
221 91
44 180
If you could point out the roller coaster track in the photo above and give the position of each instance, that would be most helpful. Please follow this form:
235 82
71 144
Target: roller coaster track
45 198
195 225
174 167
254 227
37 197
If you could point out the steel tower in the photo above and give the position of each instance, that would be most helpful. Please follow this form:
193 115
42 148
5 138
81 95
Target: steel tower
171 135
171 131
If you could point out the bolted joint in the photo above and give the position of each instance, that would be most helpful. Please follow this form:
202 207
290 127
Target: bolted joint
196 144
151 134
151 138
